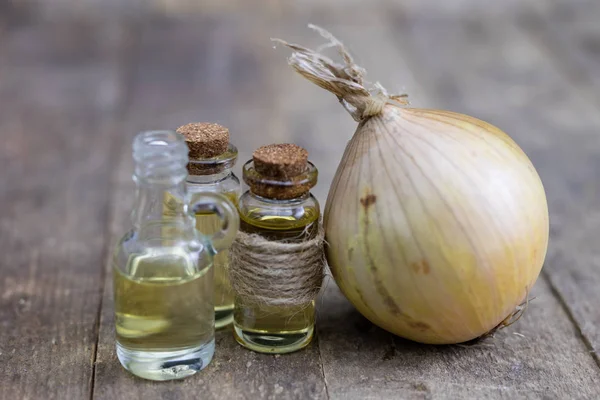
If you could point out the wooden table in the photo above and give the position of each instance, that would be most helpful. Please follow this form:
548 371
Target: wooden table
79 79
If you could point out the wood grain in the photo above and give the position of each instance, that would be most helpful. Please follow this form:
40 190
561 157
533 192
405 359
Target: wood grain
539 357
58 95
569 35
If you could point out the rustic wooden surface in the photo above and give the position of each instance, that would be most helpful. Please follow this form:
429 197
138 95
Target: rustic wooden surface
79 79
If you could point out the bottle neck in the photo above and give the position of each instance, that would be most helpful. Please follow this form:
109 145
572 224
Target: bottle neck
211 178
160 172
292 201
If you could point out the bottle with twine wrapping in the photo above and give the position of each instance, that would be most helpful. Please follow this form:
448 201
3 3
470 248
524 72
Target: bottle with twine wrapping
277 260
211 159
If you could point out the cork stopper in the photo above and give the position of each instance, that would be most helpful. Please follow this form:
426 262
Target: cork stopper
205 139
280 160
280 171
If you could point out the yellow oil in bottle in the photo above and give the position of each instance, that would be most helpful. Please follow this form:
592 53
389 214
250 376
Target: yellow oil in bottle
164 308
276 329
209 223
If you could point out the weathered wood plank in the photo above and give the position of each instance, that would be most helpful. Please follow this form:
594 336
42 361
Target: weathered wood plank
539 357
58 94
488 69
569 34
182 75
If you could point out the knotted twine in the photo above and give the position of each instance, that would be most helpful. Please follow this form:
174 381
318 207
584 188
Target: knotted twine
277 273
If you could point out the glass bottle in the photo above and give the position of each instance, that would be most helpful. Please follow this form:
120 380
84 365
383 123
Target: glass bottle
162 268
212 158
278 208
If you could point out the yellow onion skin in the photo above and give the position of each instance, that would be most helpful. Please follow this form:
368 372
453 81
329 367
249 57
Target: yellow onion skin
436 223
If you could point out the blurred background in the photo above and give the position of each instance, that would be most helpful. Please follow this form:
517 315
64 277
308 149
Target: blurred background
128 65
79 78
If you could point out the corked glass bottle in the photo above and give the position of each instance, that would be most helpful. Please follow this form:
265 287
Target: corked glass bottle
277 261
162 268
211 159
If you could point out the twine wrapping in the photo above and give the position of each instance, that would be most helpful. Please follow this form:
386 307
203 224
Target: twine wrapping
346 81
277 273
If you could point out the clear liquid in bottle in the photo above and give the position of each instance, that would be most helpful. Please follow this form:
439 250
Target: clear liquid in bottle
164 314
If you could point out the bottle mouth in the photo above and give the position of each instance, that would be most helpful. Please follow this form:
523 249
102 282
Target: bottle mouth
214 165
280 189
160 155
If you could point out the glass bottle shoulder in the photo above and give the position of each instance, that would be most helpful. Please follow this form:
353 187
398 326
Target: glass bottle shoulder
257 213
166 249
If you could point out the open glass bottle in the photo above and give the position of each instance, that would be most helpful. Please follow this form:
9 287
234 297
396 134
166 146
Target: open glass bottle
162 268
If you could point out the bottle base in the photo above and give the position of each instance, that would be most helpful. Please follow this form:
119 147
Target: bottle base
273 342
166 365
223 317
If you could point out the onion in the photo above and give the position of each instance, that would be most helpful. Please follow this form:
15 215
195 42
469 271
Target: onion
436 222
